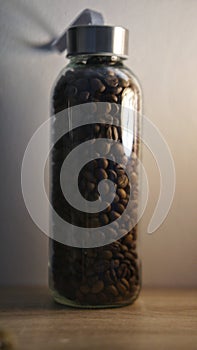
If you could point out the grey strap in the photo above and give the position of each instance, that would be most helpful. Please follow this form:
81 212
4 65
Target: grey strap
86 17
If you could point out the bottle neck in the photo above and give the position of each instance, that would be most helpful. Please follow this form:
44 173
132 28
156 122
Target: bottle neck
96 60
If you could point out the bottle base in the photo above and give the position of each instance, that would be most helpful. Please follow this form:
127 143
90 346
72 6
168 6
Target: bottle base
58 298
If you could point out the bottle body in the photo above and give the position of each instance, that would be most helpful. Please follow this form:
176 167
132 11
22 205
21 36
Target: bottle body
107 275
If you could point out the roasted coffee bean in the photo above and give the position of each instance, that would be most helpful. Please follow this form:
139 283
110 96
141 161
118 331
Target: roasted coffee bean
83 96
114 215
97 85
128 240
116 200
129 256
97 128
119 256
124 248
112 290
124 83
102 266
124 202
107 278
121 193
108 208
109 132
121 288
125 282
133 177
100 174
115 263
103 163
113 275
112 175
107 254
122 181
97 287
119 207
112 81
115 133
104 219
90 186
103 108
89 176
116 90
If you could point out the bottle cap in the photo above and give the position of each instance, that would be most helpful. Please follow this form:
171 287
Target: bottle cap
97 40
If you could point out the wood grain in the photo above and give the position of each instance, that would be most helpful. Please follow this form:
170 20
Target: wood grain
164 319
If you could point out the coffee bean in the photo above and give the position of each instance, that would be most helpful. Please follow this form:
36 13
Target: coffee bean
134 203
90 186
97 85
124 248
124 83
103 108
115 263
113 275
104 219
112 175
129 256
121 288
121 193
125 282
116 199
112 290
112 81
112 97
119 256
97 287
108 278
122 181
89 176
119 207
109 132
124 202
115 133
116 90
133 177
108 208
128 240
103 163
114 215
107 254
101 174
97 128
83 96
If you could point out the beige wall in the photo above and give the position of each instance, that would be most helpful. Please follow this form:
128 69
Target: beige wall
163 53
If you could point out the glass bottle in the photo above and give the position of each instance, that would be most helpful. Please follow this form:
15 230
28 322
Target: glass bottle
106 275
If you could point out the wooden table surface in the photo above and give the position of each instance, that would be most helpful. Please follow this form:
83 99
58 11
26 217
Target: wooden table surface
159 319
